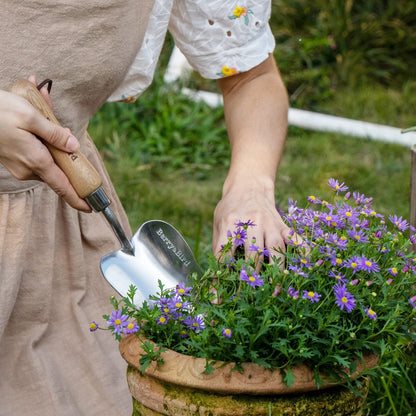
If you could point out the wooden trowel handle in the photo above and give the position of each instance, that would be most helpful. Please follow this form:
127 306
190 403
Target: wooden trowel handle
82 175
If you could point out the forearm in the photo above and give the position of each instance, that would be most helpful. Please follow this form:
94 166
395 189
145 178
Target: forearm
255 106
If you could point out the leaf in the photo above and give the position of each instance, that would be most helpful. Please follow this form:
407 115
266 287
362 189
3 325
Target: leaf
289 377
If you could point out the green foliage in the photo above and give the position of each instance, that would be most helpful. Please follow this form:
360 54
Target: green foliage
323 45
346 289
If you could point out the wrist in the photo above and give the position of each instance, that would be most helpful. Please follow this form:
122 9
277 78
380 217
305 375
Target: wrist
244 182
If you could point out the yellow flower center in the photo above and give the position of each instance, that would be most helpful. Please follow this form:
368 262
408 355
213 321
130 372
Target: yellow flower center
93 325
162 319
130 326
252 279
311 294
117 322
354 265
344 300
394 270
368 263
312 197
178 304
227 331
371 312
338 261
348 214
181 291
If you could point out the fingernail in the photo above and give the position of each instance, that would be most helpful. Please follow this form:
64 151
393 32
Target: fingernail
71 144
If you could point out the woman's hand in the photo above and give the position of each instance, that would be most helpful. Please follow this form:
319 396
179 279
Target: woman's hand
24 155
251 200
255 106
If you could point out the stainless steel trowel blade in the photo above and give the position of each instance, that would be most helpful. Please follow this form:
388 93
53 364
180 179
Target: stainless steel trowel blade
160 253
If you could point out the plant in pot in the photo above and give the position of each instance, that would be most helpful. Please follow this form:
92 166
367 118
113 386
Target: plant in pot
257 332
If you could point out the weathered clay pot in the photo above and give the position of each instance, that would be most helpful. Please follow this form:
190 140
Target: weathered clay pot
179 388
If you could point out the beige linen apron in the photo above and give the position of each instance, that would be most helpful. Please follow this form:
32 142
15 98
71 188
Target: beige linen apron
51 286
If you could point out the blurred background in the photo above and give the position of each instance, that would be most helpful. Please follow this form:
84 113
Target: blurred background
168 156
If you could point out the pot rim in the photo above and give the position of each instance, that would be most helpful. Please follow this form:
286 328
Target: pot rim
187 371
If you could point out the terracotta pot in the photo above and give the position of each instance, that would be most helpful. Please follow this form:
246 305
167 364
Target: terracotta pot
178 387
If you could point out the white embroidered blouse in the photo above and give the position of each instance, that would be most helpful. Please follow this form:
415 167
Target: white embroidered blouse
218 37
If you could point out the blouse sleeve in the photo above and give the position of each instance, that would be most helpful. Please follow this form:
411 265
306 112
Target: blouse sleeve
222 37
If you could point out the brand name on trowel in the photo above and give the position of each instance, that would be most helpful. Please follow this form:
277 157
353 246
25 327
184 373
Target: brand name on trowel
173 248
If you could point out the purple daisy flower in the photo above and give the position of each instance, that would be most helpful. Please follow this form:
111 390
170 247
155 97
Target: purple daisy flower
336 186
360 198
310 295
252 279
353 263
399 222
118 321
337 275
344 299
93 326
313 200
370 313
197 323
297 270
163 320
412 301
293 293
182 290
244 224
358 235
240 237
131 328
178 303
227 332
369 265
259 251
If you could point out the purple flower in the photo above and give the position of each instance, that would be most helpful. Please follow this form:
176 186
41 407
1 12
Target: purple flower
330 219
358 235
163 320
197 323
400 223
337 275
344 299
312 296
360 198
93 326
354 263
370 313
369 265
240 237
312 199
297 270
412 301
293 293
118 321
245 224
258 250
334 184
177 303
182 290
227 332
252 279
131 328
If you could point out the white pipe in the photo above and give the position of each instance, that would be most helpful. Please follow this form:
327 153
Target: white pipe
178 66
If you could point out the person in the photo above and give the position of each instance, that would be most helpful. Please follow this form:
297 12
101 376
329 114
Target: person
95 51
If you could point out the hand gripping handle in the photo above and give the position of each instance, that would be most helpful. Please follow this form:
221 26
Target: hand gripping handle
80 172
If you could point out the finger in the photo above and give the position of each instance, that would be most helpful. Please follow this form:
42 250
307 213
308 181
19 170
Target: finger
53 176
51 133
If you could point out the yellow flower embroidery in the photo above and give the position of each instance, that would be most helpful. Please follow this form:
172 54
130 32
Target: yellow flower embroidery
227 71
240 11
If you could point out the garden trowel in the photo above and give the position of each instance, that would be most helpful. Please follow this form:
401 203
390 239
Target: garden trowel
157 252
